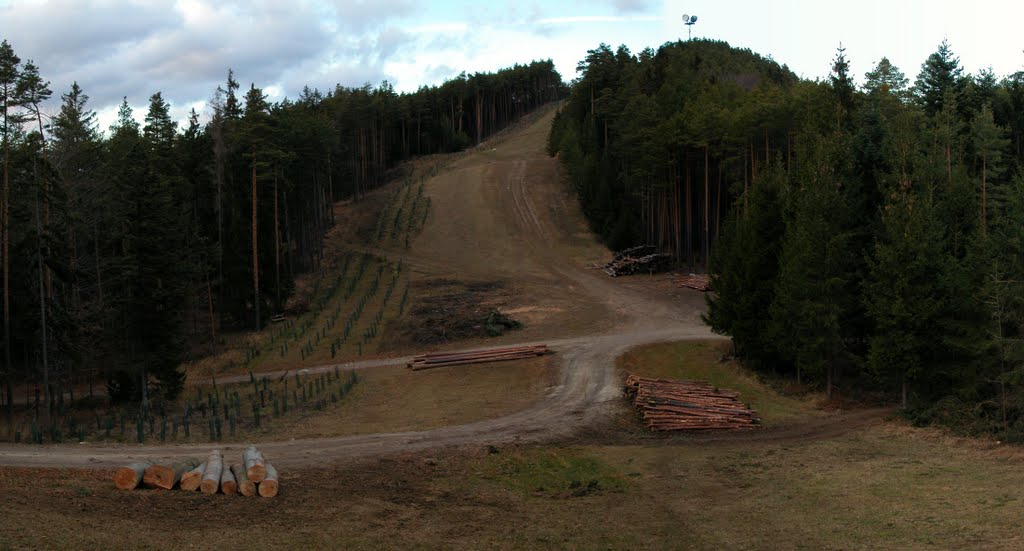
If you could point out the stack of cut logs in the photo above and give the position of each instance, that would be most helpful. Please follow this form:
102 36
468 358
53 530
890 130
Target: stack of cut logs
442 359
699 282
253 476
644 259
688 405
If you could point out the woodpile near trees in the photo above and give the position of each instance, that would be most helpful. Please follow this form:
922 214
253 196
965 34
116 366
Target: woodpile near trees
443 359
254 476
644 259
699 282
688 405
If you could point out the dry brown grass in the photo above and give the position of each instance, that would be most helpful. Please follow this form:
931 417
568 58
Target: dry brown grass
889 487
395 399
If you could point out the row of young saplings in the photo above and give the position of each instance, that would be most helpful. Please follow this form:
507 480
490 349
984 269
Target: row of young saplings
400 202
221 411
253 476
321 303
333 319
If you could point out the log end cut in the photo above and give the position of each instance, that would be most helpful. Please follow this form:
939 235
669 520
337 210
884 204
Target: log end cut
269 486
246 487
129 476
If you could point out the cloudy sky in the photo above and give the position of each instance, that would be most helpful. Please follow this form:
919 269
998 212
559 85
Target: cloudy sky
183 48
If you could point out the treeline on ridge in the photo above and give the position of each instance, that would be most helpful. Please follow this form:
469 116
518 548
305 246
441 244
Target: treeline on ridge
118 249
870 237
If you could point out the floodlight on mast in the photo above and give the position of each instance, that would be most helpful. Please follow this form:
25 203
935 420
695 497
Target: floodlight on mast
689 21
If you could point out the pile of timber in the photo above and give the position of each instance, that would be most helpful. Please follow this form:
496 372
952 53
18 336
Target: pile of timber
688 405
252 476
644 259
634 252
442 359
699 282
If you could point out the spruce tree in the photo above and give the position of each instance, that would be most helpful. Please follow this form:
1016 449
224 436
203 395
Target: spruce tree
903 294
940 74
744 269
813 301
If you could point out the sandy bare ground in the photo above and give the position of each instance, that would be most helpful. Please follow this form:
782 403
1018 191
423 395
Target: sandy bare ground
503 212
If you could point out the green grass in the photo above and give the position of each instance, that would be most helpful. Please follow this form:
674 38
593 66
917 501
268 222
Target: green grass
554 472
703 360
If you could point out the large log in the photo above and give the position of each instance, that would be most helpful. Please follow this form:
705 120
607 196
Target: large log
129 476
190 481
254 464
439 359
211 478
228 485
268 487
167 475
246 487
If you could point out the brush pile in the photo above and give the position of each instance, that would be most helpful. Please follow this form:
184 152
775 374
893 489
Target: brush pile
252 476
699 282
644 259
442 359
688 405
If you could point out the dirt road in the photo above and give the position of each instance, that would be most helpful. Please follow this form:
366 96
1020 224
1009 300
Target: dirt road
499 212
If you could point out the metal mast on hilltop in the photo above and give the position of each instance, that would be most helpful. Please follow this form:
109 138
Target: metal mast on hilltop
689 21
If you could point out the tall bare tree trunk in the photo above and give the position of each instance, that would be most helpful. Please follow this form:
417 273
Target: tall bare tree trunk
746 202
330 186
209 301
255 252
7 276
984 215
689 218
707 196
277 249
42 309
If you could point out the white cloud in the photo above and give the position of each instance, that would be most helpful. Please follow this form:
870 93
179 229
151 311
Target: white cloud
596 19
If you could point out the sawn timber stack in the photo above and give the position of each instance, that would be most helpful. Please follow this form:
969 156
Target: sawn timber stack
638 260
443 359
688 405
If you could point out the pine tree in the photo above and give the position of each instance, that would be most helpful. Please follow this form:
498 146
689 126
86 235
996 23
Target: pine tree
989 142
940 74
843 88
9 78
886 79
31 91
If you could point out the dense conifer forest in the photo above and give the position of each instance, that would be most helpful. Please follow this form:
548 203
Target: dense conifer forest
122 248
862 238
